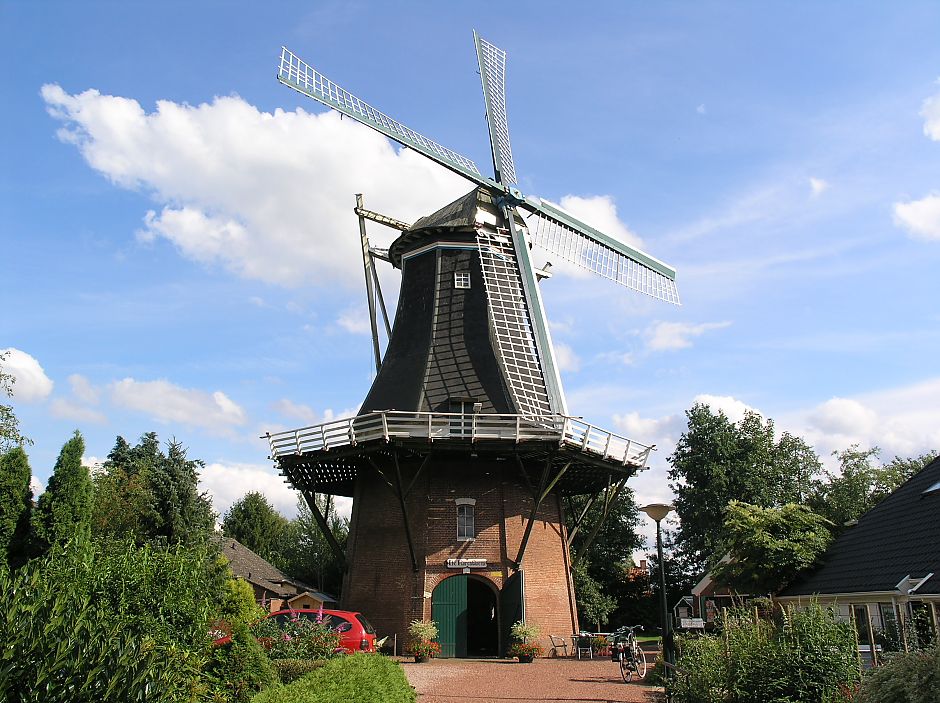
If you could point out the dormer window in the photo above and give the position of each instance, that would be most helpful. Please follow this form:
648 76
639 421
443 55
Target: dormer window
465 526
461 279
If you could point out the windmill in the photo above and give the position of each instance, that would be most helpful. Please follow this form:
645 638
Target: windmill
465 430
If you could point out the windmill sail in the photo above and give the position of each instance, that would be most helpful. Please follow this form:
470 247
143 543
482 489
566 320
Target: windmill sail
492 62
563 234
296 74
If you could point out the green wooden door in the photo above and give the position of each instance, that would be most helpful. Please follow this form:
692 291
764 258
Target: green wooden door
449 611
511 607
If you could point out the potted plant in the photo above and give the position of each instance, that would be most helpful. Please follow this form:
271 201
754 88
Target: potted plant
423 633
521 647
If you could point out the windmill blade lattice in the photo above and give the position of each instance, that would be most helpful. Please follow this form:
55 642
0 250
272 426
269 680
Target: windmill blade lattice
295 73
573 240
493 74
511 324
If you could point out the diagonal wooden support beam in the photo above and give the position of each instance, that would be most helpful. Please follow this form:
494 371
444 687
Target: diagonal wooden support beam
399 491
609 498
337 550
414 479
546 485
580 520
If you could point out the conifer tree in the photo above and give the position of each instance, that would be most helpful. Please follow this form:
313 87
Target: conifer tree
16 501
64 510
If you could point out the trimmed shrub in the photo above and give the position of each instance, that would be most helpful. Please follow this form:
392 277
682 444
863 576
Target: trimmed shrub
289 670
239 669
905 678
358 677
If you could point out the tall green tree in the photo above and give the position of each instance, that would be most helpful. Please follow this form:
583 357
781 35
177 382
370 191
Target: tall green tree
64 509
717 461
16 502
256 523
147 494
305 553
860 483
10 435
768 547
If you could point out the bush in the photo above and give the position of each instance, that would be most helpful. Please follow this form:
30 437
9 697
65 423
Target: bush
905 678
805 656
358 677
240 668
61 646
298 638
292 669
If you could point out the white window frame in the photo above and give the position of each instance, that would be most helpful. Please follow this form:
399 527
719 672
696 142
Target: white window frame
462 279
468 505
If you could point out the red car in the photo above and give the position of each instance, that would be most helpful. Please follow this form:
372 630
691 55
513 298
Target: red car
355 632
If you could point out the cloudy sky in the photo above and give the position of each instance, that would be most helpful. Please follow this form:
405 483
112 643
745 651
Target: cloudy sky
179 251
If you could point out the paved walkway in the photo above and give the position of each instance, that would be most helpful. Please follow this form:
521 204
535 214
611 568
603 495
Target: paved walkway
562 680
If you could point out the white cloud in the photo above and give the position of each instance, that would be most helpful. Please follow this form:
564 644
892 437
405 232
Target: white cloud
818 186
920 217
229 482
931 114
70 410
83 390
843 416
301 412
31 382
267 195
166 402
700 109
36 486
662 336
566 358
355 321
733 408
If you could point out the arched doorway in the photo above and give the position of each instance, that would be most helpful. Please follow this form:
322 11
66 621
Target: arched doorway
466 609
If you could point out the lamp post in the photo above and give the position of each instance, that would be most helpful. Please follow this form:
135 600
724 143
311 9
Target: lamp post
658 511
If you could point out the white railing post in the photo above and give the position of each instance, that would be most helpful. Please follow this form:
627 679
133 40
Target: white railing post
323 436
610 436
564 430
626 453
384 426
518 429
297 441
587 435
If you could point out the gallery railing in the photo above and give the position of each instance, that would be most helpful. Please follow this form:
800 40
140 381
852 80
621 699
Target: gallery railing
474 427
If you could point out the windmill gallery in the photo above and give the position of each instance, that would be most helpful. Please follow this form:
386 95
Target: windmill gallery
461 453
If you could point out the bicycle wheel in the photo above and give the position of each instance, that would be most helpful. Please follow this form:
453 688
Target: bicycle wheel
639 662
625 671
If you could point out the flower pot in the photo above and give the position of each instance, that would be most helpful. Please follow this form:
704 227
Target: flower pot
419 659
526 658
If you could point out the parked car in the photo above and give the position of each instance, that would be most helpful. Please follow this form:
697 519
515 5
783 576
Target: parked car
355 632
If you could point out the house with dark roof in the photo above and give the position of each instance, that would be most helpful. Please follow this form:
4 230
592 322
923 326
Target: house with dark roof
884 571
273 589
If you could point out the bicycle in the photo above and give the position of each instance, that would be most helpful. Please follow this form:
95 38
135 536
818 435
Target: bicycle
625 650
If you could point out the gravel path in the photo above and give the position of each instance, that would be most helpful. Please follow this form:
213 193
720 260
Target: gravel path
561 680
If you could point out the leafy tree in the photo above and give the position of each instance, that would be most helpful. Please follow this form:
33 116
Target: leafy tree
304 552
64 509
768 547
10 435
594 606
146 494
860 483
717 461
16 502
255 523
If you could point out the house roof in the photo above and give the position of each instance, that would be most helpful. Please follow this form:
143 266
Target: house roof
245 564
898 539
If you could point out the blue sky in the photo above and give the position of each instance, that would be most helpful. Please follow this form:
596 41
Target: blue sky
179 247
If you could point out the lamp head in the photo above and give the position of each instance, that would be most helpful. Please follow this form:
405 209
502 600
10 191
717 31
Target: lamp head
658 511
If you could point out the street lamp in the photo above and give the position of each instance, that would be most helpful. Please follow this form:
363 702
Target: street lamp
658 511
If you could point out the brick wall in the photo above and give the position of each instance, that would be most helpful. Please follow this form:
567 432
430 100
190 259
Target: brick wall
381 582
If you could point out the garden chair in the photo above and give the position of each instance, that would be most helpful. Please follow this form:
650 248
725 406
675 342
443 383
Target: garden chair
558 645
584 645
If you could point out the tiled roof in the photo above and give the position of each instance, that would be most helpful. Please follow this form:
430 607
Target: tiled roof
245 564
899 537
